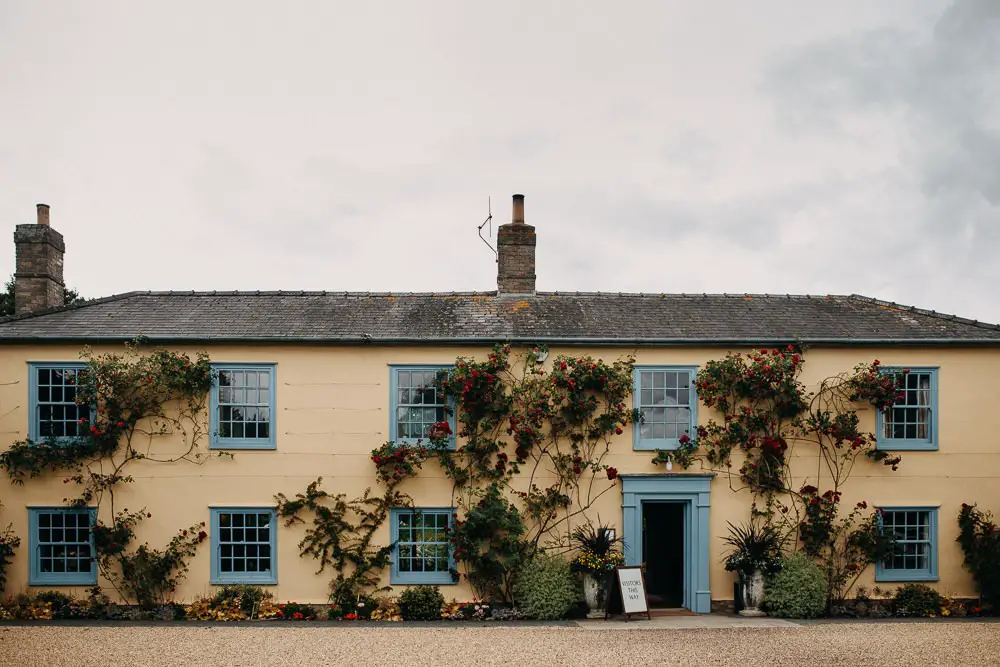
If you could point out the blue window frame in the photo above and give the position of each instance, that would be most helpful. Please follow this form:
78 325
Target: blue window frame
62 546
914 555
912 422
54 412
414 403
244 542
421 549
242 407
667 404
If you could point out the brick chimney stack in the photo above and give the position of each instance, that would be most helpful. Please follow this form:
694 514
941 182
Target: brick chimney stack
516 253
38 279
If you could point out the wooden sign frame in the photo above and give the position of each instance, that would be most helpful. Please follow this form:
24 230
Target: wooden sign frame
621 594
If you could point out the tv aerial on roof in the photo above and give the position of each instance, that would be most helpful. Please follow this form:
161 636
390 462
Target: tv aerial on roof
488 221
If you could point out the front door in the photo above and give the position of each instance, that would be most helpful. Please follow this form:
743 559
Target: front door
663 552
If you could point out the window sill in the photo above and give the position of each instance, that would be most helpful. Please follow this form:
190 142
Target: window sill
55 581
256 581
907 446
242 444
433 579
903 576
409 442
652 445
58 440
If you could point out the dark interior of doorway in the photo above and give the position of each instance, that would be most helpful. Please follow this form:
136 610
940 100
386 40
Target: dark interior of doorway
663 553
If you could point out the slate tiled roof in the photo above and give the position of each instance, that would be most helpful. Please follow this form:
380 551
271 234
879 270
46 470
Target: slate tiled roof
339 317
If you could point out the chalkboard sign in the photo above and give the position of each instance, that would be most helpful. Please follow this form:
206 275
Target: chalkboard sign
632 591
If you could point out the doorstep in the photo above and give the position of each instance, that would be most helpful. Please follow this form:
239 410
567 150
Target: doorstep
686 621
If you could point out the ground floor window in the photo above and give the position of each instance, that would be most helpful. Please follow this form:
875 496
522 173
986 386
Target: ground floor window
914 554
62 546
421 547
243 545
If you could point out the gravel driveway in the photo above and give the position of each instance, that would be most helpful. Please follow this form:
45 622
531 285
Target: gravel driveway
840 644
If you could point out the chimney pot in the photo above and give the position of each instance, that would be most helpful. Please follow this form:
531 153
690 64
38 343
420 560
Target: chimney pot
43 214
518 217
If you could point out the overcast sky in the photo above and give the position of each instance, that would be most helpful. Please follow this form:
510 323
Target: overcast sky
696 146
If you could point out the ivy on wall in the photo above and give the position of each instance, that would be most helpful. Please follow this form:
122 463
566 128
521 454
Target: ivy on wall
137 398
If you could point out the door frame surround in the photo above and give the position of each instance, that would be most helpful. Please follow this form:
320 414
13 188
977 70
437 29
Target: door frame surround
694 492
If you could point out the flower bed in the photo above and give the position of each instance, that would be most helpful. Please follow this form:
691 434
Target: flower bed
234 604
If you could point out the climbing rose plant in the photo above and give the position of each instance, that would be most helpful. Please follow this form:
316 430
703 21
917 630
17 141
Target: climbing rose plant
762 413
137 399
529 453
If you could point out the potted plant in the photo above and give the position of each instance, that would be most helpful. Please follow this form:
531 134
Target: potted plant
600 552
755 551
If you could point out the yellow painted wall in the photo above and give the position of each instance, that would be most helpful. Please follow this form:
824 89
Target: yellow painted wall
333 409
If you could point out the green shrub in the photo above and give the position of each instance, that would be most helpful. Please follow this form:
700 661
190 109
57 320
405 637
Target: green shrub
979 536
916 600
798 590
547 589
421 603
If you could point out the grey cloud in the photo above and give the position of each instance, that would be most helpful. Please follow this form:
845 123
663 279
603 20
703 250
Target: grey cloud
941 91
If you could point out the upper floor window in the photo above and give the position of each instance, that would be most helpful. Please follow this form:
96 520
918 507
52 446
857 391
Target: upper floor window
242 407
911 423
61 546
415 404
667 404
422 549
914 553
243 545
54 412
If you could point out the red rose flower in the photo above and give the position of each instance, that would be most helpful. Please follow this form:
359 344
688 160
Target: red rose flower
612 473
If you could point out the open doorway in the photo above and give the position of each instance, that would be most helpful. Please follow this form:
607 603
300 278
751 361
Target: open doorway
663 552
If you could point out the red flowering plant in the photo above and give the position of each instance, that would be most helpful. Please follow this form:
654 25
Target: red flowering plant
396 462
522 420
763 413
293 611
846 547
869 384
143 574
134 398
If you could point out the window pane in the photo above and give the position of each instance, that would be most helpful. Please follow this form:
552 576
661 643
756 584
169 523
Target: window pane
62 543
417 405
911 530
422 541
244 546
244 404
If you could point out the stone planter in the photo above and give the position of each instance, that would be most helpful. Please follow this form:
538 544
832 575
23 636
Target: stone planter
594 594
753 594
